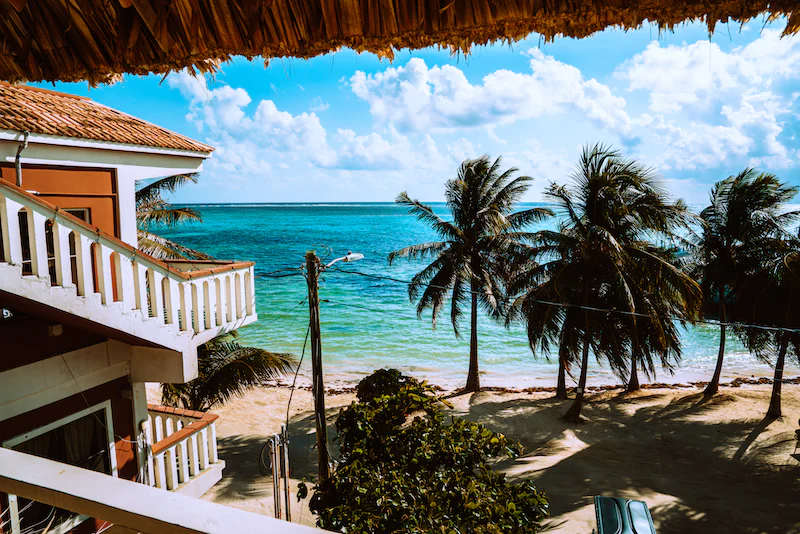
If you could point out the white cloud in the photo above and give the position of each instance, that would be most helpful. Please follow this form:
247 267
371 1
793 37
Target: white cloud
255 142
416 97
714 108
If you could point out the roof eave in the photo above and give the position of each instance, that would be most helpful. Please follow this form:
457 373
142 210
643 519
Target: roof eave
57 140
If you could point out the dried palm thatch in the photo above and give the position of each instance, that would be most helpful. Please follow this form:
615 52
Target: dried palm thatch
99 40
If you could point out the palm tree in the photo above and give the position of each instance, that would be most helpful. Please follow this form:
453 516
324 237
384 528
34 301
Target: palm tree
152 208
601 270
468 263
745 212
225 370
769 299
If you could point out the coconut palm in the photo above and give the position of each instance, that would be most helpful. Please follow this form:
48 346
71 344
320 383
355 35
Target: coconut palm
225 370
152 208
601 258
746 212
469 262
769 299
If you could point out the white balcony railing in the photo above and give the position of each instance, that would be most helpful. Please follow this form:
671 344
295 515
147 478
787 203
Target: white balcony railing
44 243
183 446
126 504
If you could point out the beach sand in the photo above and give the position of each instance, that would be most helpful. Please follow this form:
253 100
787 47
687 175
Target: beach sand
712 466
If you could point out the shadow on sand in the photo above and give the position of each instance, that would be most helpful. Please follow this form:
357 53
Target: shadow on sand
643 445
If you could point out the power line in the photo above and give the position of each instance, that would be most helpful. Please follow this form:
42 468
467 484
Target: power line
583 307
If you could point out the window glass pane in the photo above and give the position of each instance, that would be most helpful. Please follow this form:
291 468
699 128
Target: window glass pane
83 443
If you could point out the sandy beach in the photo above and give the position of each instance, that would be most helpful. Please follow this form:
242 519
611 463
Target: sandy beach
712 466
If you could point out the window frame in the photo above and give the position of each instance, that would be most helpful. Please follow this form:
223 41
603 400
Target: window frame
105 407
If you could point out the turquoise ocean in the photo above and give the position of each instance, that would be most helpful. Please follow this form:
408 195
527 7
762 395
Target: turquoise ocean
369 323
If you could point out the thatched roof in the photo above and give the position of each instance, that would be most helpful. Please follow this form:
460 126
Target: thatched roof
97 40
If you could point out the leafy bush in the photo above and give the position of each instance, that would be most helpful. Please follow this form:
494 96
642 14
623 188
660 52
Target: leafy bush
421 473
382 382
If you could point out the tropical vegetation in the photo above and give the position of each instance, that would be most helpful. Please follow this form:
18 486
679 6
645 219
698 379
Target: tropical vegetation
152 209
226 369
469 262
602 257
406 467
624 270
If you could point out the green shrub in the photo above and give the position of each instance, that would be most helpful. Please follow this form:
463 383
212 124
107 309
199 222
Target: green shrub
382 382
422 472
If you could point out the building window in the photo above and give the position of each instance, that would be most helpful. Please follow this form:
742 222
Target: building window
84 439
83 214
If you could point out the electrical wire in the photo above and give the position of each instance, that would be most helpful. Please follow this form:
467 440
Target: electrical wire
587 308
294 381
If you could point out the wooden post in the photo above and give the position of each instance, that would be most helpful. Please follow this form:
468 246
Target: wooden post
318 387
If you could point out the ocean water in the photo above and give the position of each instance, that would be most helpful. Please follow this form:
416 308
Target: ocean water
368 323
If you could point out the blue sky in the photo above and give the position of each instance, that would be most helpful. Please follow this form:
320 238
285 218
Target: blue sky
348 127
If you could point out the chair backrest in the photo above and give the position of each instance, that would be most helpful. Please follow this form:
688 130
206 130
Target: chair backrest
622 516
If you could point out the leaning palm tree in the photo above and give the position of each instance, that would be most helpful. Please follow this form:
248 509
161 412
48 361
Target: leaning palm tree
600 265
153 209
768 301
469 262
225 370
746 212
664 300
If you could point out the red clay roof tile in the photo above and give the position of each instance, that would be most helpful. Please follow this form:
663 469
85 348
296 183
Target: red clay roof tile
47 112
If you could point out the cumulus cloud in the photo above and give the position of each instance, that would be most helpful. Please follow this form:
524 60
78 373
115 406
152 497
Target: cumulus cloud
422 98
710 105
251 142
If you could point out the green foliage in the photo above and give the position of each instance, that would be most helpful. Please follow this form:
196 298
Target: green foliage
468 262
225 369
382 382
152 208
406 467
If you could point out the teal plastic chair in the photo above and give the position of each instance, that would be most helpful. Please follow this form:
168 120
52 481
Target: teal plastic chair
622 516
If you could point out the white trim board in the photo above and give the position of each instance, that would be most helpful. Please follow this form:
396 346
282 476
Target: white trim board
111 449
38 384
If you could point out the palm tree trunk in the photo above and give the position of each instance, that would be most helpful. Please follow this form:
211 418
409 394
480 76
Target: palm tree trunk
473 380
561 386
774 410
573 415
713 386
633 382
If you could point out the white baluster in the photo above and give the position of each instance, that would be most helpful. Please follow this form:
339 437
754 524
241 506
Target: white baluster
183 460
83 261
184 302
160 470
166 291
158 426
171 467
61 245
107 284
174 302
38 236
249 291
198 321
9 226
169 426
140 286
125 282
203 445
237 289
229 298
193 455
209 296
219 293
212 443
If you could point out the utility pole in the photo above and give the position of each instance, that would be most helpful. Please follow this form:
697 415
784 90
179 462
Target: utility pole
313 270
317 384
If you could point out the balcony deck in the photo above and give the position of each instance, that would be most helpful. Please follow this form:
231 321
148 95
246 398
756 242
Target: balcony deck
53 258
126 504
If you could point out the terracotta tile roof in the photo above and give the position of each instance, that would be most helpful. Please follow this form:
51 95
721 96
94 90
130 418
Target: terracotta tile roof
42 111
